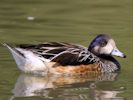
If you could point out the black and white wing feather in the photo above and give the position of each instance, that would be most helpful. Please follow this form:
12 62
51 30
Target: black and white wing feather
62 53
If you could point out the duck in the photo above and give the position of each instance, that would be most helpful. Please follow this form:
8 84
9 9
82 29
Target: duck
61 58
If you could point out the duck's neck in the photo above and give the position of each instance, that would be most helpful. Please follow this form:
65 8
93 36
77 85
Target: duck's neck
108 59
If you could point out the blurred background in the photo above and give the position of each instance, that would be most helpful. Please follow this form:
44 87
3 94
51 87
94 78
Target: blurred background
73 21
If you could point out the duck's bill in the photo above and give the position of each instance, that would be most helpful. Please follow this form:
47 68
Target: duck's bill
116 52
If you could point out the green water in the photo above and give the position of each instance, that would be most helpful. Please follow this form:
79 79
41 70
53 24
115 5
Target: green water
77 21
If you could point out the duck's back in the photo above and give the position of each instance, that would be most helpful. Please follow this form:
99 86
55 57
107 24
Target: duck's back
62 53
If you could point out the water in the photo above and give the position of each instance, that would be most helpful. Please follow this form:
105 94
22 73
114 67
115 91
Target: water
77 21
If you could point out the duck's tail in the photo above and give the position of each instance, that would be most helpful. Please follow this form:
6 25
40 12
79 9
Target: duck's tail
17 55
26 60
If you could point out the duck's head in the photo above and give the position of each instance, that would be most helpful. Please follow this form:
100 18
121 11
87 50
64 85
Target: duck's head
103 44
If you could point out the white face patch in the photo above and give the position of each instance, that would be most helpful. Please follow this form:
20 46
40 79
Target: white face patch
96 49
108 48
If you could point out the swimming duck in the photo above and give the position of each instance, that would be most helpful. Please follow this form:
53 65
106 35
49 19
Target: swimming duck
67 58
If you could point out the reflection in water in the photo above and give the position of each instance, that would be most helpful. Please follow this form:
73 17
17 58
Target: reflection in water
106 95
66 88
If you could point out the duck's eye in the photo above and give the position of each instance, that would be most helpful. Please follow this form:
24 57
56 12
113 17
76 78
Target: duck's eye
103 43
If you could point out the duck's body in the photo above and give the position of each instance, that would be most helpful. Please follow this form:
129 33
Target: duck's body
65 58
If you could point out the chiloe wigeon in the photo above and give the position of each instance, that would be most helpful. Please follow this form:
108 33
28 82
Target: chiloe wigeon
66 58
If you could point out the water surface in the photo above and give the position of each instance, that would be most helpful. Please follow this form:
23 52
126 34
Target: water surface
77 21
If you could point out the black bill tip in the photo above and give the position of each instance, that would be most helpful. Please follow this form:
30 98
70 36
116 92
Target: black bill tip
124 56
